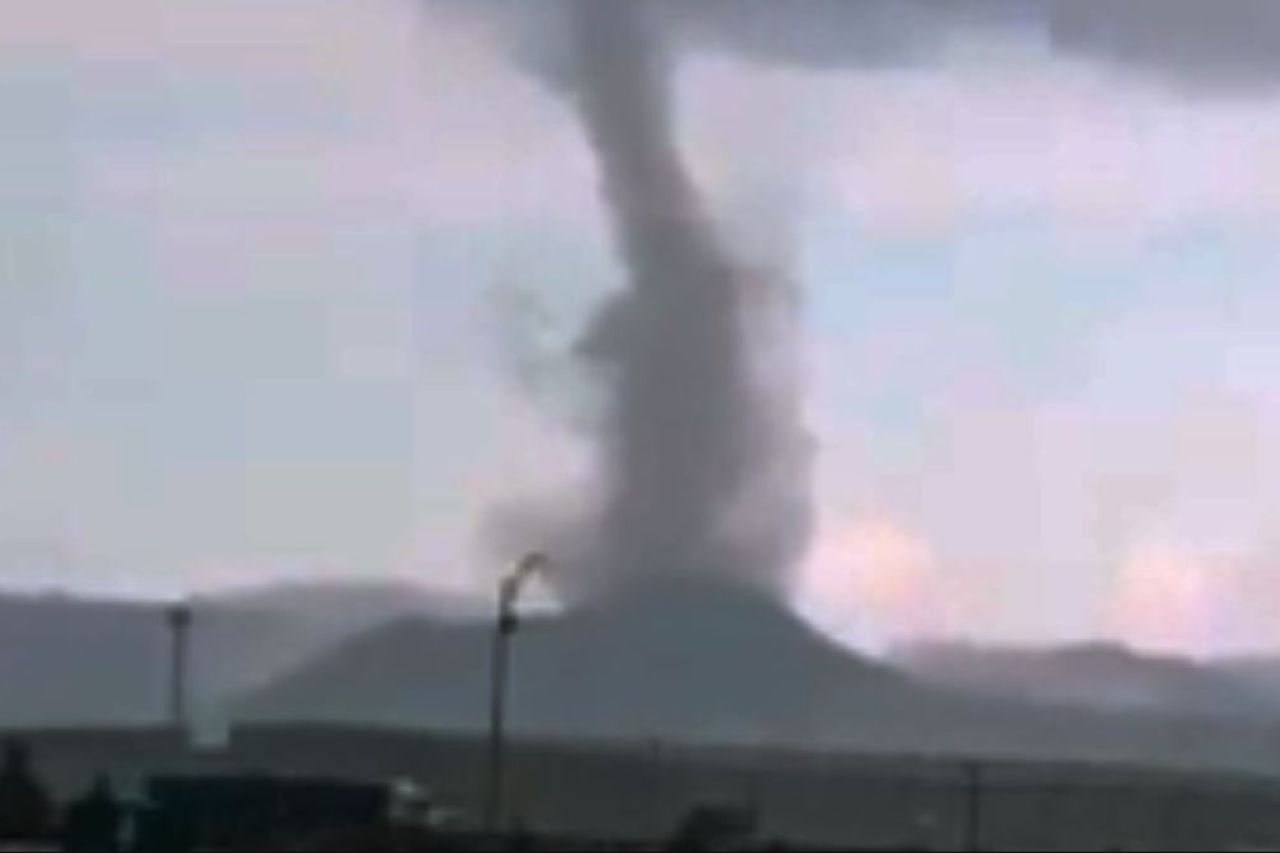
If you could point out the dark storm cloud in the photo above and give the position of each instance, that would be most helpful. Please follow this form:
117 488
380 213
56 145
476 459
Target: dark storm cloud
1210 45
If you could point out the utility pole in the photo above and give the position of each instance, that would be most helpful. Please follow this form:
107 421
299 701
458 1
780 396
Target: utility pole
504 628
179 618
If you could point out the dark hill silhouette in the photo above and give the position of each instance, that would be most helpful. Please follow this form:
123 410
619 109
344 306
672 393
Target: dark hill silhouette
1260 672
658 657
65 661
248 636
1103 676
694 660
68 660
687 660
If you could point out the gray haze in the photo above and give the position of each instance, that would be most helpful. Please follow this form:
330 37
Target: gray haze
704 465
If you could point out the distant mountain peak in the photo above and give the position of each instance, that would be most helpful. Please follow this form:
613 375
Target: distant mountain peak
1102 675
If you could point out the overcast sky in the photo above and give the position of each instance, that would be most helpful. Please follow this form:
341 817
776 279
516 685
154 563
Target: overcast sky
285 284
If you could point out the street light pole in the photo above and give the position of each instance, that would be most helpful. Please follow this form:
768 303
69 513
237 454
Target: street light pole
497 721
504 628
179 616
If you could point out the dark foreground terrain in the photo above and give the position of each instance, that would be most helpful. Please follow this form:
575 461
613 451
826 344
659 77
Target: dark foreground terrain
637 793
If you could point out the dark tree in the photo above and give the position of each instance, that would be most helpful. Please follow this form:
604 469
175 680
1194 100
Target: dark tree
26 809
93 821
